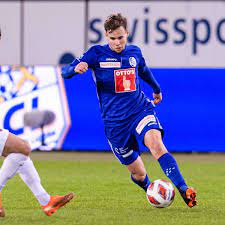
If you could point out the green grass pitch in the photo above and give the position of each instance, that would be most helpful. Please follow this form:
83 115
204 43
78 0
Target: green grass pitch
106 196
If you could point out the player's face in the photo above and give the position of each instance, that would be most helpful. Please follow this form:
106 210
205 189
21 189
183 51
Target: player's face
117 39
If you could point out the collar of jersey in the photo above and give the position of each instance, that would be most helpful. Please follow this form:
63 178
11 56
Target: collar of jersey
121 53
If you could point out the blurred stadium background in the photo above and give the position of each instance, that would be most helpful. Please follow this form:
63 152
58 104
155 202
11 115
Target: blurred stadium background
183 43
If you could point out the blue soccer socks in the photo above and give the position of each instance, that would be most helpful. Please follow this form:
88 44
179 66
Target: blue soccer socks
143 184
170 168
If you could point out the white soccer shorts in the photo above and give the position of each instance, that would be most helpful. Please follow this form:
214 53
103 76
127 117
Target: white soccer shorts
3 137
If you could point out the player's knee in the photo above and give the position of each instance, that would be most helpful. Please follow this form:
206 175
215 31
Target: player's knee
152 138
26 149
153 143
156 147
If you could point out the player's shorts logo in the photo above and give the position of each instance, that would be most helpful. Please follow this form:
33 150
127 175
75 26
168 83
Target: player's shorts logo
132 61
125 80
150 119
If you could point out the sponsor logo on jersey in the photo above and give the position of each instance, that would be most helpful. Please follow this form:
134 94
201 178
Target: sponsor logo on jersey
146 120
110 65
111 59
125 80
132 61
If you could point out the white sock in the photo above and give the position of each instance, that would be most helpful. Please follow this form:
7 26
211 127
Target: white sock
10 166
29 175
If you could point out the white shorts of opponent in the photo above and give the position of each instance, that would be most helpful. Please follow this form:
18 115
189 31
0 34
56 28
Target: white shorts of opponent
3 137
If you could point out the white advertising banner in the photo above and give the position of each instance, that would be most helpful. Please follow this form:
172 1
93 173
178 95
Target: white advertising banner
170 33
53 29
187 34
31 89
10 47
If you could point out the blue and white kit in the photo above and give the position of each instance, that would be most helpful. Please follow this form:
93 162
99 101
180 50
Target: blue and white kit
126 111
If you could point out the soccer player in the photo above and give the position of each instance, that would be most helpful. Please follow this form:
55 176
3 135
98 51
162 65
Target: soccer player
16 152
127 113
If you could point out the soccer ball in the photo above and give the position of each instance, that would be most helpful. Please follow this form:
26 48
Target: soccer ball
160 193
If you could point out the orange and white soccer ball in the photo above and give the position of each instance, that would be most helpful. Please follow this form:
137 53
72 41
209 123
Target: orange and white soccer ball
160 193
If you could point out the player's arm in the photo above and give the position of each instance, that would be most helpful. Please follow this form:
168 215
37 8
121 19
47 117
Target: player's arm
81 65
146 75
68 71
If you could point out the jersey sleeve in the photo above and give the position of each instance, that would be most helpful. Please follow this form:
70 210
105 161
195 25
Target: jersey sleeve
145 73
89 57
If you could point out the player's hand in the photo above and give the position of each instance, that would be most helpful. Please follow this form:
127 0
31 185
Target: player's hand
157 98
81 67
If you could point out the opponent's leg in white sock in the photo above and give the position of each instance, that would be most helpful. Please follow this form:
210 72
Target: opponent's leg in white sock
30 176
10 166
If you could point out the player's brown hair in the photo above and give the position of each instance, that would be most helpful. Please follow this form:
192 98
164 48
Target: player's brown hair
115 21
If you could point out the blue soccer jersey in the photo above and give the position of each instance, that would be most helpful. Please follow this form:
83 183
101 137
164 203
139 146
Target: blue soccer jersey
127 113
117 81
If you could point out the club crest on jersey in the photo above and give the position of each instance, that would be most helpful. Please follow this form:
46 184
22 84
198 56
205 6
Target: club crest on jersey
132 61
125 80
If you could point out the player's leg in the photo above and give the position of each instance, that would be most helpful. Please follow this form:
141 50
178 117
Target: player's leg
149 131
13 160
11 148
135 165
153 140
124 146
16 152
49 204
30 176
138 173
